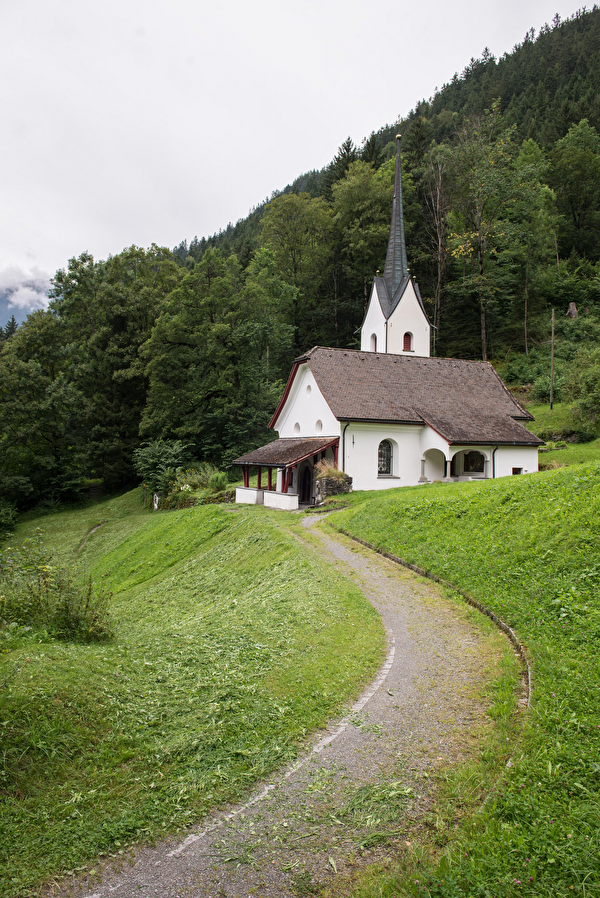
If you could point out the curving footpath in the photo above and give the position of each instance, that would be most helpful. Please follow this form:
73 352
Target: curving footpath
363 787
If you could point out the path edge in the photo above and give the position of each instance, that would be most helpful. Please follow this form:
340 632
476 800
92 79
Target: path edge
479 606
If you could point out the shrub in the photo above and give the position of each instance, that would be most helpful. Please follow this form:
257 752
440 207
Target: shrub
178 500
588 404
540 391
8 517
37 591
218 498
218 482
159 461
192 478
326 468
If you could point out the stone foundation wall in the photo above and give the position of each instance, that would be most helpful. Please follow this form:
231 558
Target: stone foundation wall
333 486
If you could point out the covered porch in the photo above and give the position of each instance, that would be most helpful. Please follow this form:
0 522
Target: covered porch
457 463
289 468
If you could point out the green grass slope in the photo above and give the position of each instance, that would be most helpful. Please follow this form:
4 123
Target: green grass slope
529 549
232 643
557 425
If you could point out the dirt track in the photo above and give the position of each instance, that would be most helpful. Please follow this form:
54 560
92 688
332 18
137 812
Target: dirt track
362 786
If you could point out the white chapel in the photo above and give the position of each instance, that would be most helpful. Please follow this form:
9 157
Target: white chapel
388 414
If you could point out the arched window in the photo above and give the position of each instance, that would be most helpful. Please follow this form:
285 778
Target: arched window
373 342
407 344
384 462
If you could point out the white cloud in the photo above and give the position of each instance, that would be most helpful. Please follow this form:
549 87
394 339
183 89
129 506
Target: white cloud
139 121
24 289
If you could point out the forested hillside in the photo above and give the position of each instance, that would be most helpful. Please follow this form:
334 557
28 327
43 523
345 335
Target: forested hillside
501 191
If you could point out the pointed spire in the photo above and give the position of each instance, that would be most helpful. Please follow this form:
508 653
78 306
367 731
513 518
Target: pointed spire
396 265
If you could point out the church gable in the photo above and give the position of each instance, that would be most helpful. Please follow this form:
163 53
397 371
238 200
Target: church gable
408 328
373 331
304 410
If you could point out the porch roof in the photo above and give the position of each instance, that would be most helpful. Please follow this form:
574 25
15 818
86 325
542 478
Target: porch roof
286 452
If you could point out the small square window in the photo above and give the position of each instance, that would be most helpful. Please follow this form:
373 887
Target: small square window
517 470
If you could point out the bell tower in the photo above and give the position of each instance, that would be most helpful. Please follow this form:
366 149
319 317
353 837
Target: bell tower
396 321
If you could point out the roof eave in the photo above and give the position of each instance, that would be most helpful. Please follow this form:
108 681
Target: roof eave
494 443
286 393
354 420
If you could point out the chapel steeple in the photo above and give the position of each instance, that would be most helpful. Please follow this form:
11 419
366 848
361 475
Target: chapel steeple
396 265
396 321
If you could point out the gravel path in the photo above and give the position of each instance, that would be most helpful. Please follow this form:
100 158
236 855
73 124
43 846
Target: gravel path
356 794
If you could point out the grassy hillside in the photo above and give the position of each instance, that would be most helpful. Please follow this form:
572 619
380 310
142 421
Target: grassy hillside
558 426
231 644
529 549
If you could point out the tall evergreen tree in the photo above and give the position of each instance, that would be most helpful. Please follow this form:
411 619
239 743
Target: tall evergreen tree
214 357
575 178
107 310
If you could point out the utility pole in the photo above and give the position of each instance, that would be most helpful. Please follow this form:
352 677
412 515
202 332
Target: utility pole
552 364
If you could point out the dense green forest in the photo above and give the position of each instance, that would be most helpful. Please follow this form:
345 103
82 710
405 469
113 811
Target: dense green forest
501 183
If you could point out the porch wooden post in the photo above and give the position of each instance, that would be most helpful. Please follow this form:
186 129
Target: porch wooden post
246 475
287 476
269 478
258 478
335 454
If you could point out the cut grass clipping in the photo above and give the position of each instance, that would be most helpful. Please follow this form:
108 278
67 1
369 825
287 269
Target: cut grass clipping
529 549
231 644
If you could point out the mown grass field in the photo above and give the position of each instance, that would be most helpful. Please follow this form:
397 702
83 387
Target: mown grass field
529 549
232 642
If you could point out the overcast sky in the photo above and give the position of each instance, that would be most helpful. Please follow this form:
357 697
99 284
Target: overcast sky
139 121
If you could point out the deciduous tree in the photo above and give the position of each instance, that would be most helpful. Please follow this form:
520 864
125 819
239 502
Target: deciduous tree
298 230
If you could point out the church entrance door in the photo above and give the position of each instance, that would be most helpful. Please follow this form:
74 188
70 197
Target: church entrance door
306 485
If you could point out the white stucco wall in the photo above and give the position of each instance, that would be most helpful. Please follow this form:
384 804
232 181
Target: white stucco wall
361 453
374 324
412 443
435 465
283 501
431 439
248 496
509 457
306 413
408 317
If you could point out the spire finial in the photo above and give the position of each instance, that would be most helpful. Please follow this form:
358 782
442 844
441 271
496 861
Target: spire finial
396 266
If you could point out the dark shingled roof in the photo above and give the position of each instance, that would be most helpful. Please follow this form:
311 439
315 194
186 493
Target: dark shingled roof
284 452
388 304
465 401
396 265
